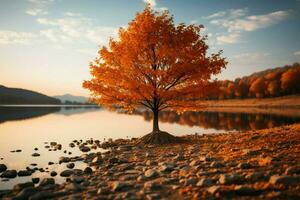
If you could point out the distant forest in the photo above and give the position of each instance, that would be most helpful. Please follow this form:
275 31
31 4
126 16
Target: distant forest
268 83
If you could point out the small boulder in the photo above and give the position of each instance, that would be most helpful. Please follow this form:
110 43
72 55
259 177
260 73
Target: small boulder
292 170
53 173
24 173
228 179
2 167
70 165
35 180
88 170
66 173
151 173
47 181
21 186
205 182
284 180
9 174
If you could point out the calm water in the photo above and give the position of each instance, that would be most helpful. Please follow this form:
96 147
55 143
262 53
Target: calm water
27 128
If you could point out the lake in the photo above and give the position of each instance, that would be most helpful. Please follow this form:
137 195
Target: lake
25 128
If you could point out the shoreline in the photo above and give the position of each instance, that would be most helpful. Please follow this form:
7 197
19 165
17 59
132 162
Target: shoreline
240 165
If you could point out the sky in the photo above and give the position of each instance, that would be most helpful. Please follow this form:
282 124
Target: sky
47 45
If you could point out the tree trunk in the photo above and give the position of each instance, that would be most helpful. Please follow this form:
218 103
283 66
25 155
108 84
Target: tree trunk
155 121
157 136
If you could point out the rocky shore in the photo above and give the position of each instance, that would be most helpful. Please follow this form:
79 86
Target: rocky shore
261 164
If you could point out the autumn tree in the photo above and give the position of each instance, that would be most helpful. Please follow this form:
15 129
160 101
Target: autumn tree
156 64
290 81
258 87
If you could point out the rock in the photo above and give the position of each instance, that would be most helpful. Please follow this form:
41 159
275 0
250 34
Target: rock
70 165
228 179
50 163
178 157
58 146
41 195
153 196
216 164
36 149
9 174
290 171
84 149
205 182
285 180
151 173
26 193
35 154
24 173
205 158
35 180
166 167
255 176
33 164
3 168
244 190
53 173
76 179
150 185
190 181
72 145
113 160
47 181
194 163
97 160
265 161
88 170
66 173
117 186
244 166
18 150
103 191
213 189
63 159
73 187
53 143
21 186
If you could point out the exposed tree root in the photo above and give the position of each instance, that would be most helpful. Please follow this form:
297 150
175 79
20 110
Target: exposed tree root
159 137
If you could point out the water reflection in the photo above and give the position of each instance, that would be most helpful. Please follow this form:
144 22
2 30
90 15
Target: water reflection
223 120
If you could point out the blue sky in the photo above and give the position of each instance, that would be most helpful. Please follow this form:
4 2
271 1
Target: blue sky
46 45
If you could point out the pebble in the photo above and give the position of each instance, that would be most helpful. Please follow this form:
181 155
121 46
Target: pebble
151 173
63 159
53 173
84 149
9 174
213 189
66 173
117 186
70 165
88 170
2 167
35 154
244 166
24 173
228 179
285 180
244 190
205 182
21 186
47 181
292 170
35 180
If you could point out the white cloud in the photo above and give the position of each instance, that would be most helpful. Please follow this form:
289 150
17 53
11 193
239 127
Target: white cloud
251 56
152 3
297 53
68 29
215 15
12 37
236 21
36 11
228 39
39 7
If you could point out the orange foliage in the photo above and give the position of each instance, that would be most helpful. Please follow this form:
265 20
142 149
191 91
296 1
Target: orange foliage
290 80
258 87
155 64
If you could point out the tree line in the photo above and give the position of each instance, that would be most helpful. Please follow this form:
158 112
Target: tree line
269 83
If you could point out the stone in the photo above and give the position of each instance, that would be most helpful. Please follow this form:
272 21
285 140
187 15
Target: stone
265 161
53 173
213 189
285 180
70 165
41 195
50 163
26 193
244 190
151 173
47 181
166 168
24 173
244 166
205 158
292 170
103 191
35 180
216 164
255 176
3 168
84 149
113 160
53 143
228 179
74 187
18 150
21 186
76 179
151 185
194 163
204 182
63 159
88 170
9 174
66 173
97 160
190 181
35 154
117 186
36 149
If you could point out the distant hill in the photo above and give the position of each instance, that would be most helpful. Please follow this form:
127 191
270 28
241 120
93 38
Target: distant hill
22 96
71 98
